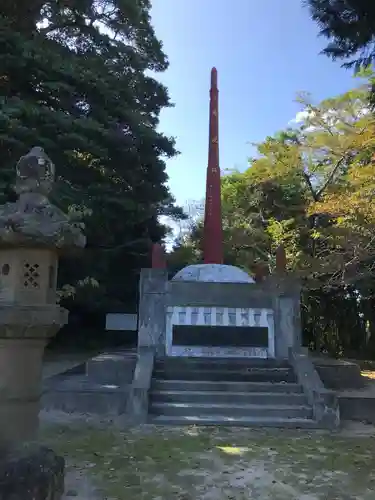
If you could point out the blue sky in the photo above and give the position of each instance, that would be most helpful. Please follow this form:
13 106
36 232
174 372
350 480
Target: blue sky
264 50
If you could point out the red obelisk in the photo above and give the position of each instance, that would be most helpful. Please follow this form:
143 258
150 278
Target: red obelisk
158 257
213 231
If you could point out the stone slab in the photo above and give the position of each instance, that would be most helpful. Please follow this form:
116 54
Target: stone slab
121 322
80 395
112 368
214 320
225 421
217 294
137 406
324 401
339 374
52 368
219 352
152 310
357 408
220 336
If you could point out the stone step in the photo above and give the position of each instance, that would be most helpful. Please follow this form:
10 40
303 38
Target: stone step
226 397
112 368
210 385
222 420
79 395
225 363
215 374
230 410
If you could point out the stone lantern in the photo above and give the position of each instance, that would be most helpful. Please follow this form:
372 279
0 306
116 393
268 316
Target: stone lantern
32 234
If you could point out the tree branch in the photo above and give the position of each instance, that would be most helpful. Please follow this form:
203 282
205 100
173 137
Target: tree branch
330 177
310 186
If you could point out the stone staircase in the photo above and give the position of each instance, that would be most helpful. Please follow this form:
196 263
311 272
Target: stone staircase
234 392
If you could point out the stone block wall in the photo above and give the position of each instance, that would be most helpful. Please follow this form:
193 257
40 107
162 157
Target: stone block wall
152 310
339 374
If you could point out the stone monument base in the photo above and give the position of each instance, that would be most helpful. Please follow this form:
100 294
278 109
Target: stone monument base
24 332
102 388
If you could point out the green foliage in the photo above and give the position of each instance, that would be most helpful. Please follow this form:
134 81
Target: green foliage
310 188
75 79
350 27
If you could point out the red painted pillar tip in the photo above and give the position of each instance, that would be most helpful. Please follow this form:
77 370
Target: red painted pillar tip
214 78
281 260
261 272
158 257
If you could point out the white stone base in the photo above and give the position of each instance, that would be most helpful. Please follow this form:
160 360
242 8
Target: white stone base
218 352
220 316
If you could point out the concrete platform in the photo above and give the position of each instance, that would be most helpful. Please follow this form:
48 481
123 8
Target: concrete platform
112 368
81 395
252 422
99 386
359 404
339 374
355 390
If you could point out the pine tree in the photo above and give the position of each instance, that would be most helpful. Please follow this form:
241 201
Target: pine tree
350 27
75 79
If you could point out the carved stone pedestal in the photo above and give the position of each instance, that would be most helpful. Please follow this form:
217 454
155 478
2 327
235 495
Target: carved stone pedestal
24 333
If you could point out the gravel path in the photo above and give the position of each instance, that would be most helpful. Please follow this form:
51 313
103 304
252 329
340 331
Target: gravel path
160 463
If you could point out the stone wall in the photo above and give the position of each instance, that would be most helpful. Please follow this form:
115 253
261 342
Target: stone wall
102 390
339 374
31 473
137 401
152 310
358 408
323 401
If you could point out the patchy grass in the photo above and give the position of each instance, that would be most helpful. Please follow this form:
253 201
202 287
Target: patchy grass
216 463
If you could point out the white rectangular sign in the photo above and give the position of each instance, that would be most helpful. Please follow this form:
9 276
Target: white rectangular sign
118 321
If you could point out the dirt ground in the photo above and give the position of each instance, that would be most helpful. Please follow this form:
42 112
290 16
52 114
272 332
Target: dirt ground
105 462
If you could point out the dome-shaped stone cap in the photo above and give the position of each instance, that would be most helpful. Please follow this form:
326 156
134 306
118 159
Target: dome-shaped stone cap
214 273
